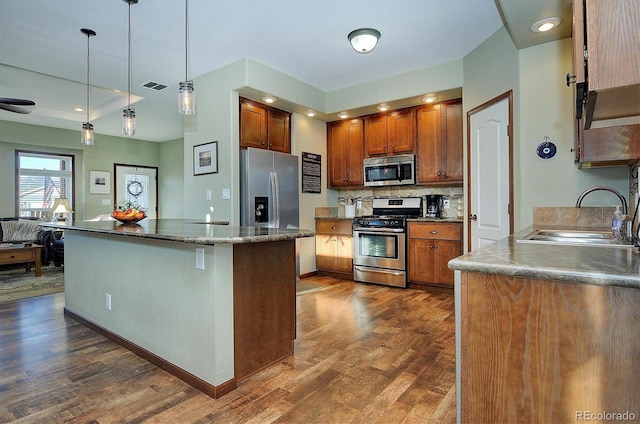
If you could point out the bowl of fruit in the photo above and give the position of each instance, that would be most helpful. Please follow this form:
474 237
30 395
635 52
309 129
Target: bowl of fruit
129 213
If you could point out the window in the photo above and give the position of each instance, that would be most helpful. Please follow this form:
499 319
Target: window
41 179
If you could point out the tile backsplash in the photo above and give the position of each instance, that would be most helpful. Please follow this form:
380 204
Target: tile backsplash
364 198
584 216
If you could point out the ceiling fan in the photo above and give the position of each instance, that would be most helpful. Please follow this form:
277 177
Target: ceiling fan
7 103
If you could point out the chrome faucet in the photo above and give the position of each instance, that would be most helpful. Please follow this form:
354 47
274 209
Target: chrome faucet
625 209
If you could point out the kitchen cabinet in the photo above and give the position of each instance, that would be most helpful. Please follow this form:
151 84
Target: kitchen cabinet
439 143
334 248
345 151
431 246
390 133
606 44
264 127
544 351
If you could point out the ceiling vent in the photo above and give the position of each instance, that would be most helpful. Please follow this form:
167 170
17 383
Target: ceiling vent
156 86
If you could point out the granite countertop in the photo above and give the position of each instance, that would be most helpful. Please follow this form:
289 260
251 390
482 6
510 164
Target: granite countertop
595 265
186 231
421 219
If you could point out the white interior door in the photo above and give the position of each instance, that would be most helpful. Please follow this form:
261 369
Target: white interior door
138 184
490 178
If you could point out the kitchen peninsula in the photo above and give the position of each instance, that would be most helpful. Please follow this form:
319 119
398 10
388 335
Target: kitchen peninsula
209 303
547 333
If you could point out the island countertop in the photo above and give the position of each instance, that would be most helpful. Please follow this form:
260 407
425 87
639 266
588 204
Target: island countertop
186 231
602 266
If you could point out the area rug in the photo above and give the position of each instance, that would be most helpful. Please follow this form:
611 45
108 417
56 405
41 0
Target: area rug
304 287
15 284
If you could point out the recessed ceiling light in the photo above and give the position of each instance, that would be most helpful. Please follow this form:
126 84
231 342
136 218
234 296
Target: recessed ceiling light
383 107
429 99
343 115
269 99
546 24
311 113
78 109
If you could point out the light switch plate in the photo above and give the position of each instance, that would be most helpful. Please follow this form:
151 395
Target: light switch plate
199 258
226 193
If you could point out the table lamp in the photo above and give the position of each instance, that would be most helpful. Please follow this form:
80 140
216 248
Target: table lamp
60 206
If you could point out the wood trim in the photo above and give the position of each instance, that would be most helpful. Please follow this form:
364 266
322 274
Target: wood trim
308 275
196 382
505 95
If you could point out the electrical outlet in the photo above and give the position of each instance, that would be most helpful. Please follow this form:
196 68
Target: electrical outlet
226 193
108 302
199 258
445 204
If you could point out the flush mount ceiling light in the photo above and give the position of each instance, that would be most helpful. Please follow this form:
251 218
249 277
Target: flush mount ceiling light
129 115
269 99
87 127
383 107
343 115
546 24
311 113
429 99
186 93
364 40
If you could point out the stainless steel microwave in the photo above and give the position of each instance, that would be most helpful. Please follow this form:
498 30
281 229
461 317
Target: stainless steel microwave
390 170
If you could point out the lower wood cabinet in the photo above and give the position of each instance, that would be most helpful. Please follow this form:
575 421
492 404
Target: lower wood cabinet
431 246
334 248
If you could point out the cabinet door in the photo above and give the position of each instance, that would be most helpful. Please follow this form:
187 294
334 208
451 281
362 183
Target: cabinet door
428 141
451 159
278 131
420 260
326 252
443 252
345 152
355 152
401 131
375 133
253 126
344 254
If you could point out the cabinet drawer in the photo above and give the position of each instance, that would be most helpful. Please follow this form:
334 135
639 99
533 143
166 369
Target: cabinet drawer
436 231
334 227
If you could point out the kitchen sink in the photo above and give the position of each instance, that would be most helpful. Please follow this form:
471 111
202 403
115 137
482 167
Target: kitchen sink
602 238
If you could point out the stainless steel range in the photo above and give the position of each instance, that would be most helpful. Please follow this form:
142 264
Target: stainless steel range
380 241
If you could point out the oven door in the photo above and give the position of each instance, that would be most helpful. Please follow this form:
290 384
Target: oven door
379 248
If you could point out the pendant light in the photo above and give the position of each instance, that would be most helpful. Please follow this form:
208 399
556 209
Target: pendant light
129 115
186 94
87 127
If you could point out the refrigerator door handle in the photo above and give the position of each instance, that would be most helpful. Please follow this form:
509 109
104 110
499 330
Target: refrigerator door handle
275 195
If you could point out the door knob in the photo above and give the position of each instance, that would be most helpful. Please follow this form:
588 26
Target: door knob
473 217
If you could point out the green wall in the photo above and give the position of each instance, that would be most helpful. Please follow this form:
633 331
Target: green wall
100 157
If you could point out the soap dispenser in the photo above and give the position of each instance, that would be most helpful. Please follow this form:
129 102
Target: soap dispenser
616 224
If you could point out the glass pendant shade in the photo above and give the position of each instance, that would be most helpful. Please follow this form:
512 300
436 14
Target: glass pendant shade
187 98
364 40
129 122
87 134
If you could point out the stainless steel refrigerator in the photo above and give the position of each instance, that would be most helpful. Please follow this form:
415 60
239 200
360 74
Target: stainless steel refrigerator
268 189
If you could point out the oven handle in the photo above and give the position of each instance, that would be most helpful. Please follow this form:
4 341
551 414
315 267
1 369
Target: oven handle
382 271
365 230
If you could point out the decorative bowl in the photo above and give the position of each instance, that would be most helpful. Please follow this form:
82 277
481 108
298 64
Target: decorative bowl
129 216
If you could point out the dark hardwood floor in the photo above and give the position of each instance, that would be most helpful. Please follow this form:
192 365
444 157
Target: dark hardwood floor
363 354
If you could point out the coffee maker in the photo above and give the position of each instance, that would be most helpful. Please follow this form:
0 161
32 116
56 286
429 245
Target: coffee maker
433 205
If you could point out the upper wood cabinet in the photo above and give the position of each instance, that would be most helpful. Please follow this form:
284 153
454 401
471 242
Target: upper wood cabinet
439 143
607 41
345 151
390 133
264 127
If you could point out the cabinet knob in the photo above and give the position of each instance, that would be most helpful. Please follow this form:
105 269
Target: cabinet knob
433 232
333 227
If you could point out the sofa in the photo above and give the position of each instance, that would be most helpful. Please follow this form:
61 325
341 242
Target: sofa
25 230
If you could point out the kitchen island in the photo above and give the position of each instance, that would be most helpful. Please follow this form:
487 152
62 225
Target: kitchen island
209 303
547 333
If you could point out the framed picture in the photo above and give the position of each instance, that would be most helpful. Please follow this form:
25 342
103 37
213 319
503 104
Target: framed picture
99 182
205 158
